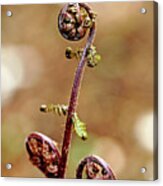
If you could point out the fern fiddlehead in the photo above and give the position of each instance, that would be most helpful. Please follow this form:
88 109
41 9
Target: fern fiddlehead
74 20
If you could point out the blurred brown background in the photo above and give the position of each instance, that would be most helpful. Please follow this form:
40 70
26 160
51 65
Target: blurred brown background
116 99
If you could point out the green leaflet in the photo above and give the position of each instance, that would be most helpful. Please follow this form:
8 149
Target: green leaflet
79 127
56 109
61 110
92 57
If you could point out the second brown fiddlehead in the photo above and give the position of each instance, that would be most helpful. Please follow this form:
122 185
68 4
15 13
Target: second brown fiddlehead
95 168
43 154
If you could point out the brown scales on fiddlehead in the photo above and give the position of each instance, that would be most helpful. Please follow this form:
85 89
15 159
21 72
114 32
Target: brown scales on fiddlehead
43 154
74 20
95 168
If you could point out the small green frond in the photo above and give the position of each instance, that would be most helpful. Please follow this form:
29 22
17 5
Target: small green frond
79 127
56 109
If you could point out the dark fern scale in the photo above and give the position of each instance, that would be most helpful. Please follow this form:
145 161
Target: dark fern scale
74 20
43 154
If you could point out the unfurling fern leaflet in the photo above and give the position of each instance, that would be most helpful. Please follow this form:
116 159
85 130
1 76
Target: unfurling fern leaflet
79 126
56 109
92 57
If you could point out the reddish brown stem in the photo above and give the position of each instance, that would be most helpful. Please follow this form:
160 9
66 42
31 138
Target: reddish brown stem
73 105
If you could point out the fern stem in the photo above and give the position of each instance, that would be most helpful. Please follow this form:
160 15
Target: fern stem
73 105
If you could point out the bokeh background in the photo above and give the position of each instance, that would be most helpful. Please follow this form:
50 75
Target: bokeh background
116 99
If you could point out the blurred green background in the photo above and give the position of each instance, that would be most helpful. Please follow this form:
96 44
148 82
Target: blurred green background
116 100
